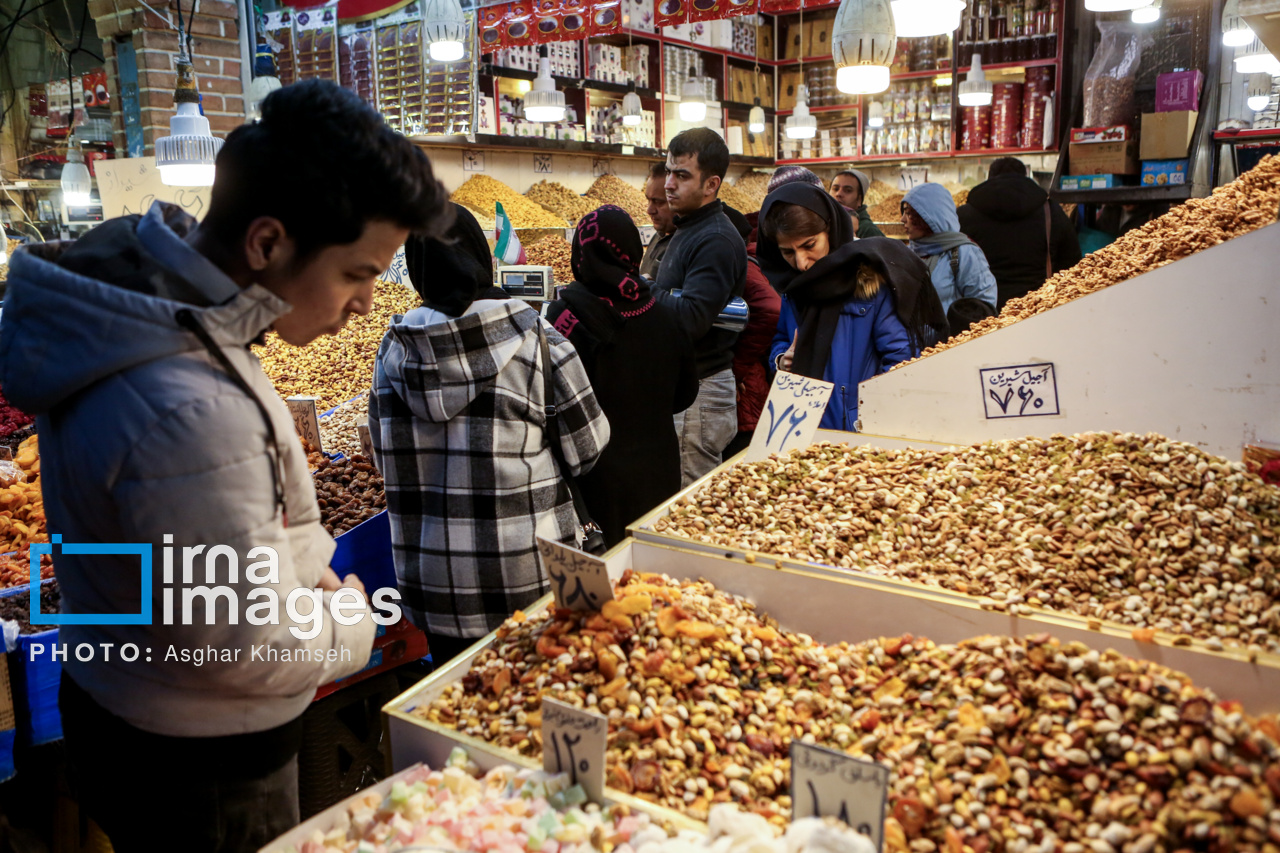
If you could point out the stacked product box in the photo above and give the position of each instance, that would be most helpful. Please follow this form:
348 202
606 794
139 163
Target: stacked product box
635 61
1006 117
744 34
565 58
679 64
604 63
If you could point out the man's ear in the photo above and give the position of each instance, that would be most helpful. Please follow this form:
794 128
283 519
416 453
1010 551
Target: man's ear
714 183
266 244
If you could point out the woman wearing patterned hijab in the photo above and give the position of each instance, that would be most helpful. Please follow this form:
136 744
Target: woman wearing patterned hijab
640 364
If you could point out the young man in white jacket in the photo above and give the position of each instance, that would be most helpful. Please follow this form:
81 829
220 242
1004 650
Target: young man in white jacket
158 429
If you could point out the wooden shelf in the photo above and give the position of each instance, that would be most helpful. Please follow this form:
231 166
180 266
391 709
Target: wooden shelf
1030 63
928 155
830 108
1261 134
1123 195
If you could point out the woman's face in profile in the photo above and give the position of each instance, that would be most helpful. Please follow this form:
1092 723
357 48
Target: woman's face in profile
804 252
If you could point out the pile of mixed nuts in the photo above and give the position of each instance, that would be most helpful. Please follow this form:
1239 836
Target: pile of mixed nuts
1135 529
995 743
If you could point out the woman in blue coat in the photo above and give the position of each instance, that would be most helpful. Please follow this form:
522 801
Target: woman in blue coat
851 309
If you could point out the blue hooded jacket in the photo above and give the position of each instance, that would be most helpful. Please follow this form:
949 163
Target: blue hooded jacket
938 210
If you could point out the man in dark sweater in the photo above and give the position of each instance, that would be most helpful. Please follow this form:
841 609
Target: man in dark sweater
1008 216
655 192
850 189
707 261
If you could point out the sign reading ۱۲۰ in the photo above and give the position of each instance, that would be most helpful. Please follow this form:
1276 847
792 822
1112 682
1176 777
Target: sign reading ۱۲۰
791 415
579 581
829 783
1020 391
573 742
305 419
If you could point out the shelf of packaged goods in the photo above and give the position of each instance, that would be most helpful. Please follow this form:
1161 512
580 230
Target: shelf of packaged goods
829 108
493 142
1262 134
568 82
930 155
1009 66
901 75
719 51
739 105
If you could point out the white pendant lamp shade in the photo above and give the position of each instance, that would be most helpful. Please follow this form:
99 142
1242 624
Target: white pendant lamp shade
631 109
863 41
186 156
801 125
1257 60
1115 5
875 114
975 91
693 101
1259 92
755 120
921 18
76 184
1146 14
258 91
1238 36
544 102
444 27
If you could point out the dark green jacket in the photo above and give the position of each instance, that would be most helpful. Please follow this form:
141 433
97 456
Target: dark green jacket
866 228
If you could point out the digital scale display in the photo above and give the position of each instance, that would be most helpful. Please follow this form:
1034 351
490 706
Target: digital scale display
527 282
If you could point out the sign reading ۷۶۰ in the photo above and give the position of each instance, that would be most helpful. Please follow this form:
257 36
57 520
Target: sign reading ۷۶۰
579 581
791 415
829 783
305 419
1020 391
573 742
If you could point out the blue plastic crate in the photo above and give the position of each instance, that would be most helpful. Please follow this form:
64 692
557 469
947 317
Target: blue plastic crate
35 685
366 550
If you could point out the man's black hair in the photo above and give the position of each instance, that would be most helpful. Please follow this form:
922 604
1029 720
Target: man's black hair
703 142
325 164
1007 166
658 170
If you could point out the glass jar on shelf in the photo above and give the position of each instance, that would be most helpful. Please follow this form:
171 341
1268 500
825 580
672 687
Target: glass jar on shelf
924 103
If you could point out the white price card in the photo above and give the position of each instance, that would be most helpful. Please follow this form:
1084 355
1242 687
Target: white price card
601 166
366 441
1020 391
791 415
579 581
305 419
909 179
573 742
829 783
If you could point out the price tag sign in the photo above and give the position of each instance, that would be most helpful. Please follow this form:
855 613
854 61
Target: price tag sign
366 441
829 783
909 179
473 161
1020 391
579 581
573 742
601 166
305 419
542 164
791 415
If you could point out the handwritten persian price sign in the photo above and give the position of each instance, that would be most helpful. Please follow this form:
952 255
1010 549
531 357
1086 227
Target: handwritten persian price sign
573 742
579 581
909 179
1020 391
305 419
829 783
791 415
398 272
130 185
366 440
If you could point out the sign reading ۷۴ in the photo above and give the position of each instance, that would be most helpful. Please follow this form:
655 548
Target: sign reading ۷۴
573 742
579 581
305 419
1020 391
791 415
829 783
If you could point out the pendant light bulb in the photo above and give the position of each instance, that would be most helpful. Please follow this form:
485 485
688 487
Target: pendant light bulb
1146 14
186 156
1259 92
544 102
923 18
875 114
444 27
76 183
1115 5
1235 32
631 109
755 120
800 124
864 38
693 101
1257 60
975 91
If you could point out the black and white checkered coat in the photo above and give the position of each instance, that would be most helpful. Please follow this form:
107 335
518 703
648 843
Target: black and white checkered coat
457 421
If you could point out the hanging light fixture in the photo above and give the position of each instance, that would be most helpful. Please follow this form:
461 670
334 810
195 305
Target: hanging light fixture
544 102
265 80
875 114
975 91
1235 32
76 183
863 40
444 27
801 125
631 107
186 156
755 119
1258 92
1256 59
921 18
693 101
1115 5
1146 14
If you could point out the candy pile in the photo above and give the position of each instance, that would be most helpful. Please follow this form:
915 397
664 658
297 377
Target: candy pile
480 193
17 608
561 200
336 368
1135 529
349 491
555 252
610 189
1246 204
994 743
12 418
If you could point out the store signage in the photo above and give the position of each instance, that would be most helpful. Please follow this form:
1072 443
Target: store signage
573 742
791 415
909 179
305 419
829 783
1020 391
473 161
579 581
542 164
131 184
366 441
601 166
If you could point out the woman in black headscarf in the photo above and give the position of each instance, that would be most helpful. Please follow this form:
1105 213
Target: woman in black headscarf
641 367
851 309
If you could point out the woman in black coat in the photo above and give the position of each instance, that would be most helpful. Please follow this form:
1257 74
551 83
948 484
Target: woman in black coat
640 364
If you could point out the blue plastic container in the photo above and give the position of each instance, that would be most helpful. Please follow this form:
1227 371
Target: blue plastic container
366 550
35 685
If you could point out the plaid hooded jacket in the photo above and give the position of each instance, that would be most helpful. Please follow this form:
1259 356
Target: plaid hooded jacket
457 421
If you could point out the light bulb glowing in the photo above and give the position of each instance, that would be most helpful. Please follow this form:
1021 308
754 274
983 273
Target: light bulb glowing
1239 36
693 101
922 18
1146 15
862 79
1115 5
187 175
755 121
1258 63
446 51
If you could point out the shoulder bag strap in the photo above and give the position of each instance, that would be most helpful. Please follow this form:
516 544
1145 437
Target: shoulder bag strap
955 267
553 430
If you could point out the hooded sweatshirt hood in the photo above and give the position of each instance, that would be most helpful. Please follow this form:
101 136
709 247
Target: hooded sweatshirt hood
46 357
938 210
439 364
1008 197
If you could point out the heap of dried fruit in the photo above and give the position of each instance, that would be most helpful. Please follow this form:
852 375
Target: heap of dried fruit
12 418
1246 204
610 189
887 210
17 608
22 518
737 199
12 246
15 569
340 429
481 192
994 744
555 252
561 200
878 192
1135 529
314 457
349 492
336 368
755 186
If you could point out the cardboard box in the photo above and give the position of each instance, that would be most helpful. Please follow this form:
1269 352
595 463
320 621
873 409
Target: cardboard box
1178 91
789 83
742 85
1164 173
1115 133
818 37
1104 158
1092 182
764 41
797 39
1167 136
763 89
